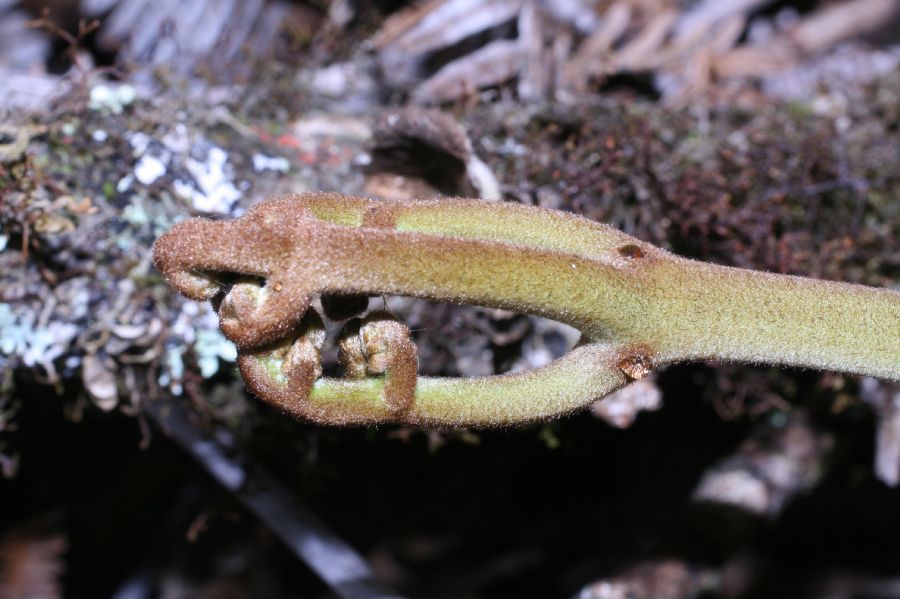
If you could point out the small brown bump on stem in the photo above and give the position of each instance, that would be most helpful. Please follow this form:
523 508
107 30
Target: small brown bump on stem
379 217
632 251
636 365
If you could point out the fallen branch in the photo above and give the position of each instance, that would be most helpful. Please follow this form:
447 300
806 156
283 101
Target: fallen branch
335 562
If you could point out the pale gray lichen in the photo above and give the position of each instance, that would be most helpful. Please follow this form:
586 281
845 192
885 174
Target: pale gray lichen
210 347
212 189
197 329
111 98
13 334
173 369
33 345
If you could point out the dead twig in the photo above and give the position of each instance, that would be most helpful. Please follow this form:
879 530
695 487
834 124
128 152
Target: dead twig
338 564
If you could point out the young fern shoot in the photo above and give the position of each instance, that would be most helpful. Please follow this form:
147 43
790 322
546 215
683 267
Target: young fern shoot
638 307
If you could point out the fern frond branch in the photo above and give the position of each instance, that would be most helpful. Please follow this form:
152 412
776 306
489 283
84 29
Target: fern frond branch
637 306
